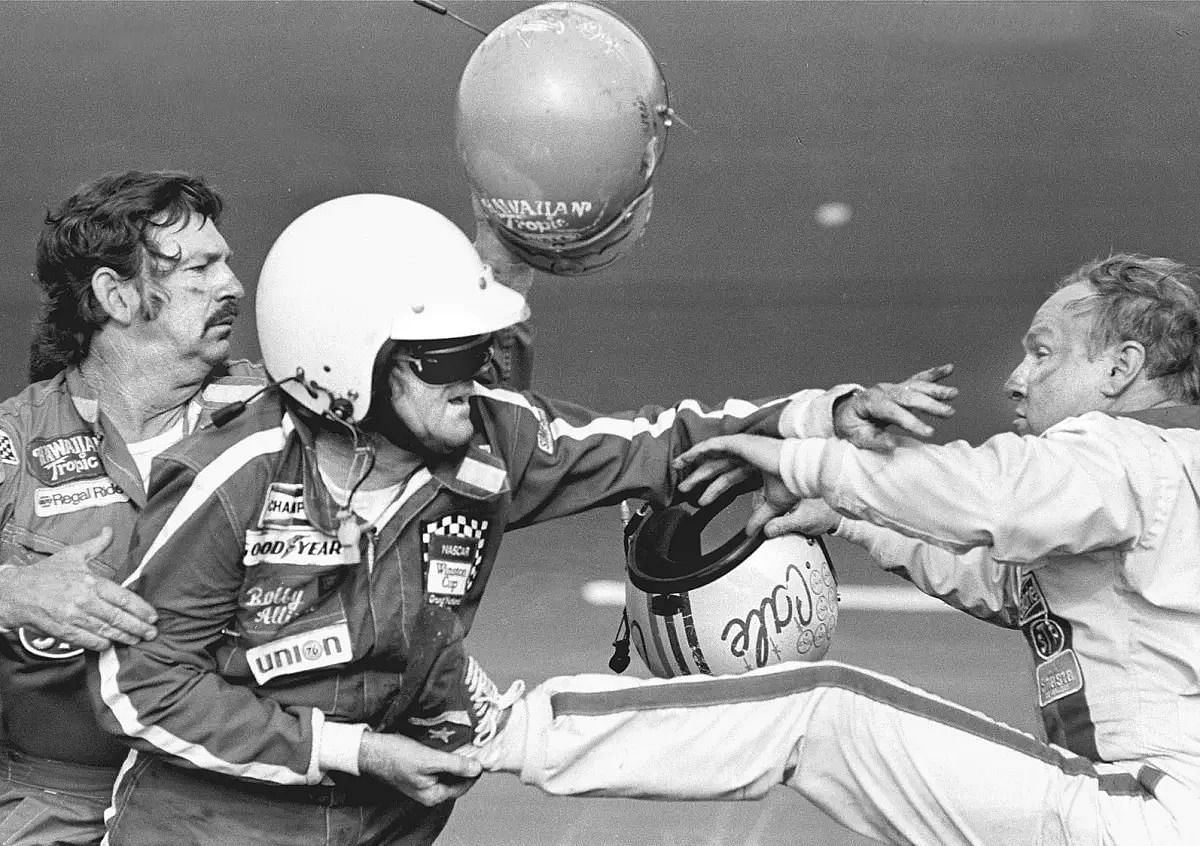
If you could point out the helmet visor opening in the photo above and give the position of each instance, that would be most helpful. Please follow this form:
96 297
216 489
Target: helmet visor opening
448 362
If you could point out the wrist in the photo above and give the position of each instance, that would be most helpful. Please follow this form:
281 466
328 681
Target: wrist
340 747
838 408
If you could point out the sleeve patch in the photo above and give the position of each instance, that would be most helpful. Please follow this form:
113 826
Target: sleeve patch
8 453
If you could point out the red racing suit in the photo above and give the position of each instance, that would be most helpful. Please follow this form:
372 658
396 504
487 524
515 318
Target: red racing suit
270 626
65 473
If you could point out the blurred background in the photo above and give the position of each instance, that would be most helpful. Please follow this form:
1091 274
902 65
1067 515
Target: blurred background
861 190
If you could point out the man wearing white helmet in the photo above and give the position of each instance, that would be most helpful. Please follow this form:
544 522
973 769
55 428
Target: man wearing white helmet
308 558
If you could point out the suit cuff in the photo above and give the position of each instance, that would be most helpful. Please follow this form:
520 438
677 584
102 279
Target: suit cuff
800 465
810 413
338 746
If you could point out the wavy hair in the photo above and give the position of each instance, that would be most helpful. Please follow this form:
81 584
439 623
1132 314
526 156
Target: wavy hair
108 222
1152 301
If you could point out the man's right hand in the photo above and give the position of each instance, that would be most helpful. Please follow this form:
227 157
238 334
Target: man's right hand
420 772
60 596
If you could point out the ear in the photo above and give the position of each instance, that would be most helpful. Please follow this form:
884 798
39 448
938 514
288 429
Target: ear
1126 364
119 298
395 383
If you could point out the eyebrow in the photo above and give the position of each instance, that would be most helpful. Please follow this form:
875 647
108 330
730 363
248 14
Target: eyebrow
1036 333
207 255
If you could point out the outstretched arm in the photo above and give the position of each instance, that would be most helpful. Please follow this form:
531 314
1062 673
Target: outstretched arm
862 418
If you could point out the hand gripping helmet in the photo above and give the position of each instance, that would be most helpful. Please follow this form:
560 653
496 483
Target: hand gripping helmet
561 119
746 604
351 273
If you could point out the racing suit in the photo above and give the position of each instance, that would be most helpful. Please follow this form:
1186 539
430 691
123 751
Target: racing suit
1084 537
64 474
275 634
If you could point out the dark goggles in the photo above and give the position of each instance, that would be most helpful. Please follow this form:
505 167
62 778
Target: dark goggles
447 365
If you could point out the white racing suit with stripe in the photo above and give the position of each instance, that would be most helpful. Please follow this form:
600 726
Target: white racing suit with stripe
272 630
1087 538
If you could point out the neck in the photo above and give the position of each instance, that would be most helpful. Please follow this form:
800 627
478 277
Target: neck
1140 396
140 399
339 458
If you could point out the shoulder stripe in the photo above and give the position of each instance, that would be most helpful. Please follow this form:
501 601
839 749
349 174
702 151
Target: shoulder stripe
207 482
631 428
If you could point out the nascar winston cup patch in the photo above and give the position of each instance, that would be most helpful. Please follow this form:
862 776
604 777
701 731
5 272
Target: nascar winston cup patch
451 550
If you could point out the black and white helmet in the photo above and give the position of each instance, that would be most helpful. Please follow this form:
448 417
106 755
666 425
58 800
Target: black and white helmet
748 603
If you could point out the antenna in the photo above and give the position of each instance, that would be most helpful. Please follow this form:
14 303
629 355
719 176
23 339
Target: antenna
439 9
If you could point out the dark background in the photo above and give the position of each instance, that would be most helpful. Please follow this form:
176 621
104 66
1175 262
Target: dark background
986 149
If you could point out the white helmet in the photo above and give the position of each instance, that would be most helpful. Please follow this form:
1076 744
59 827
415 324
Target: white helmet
746 604
351 273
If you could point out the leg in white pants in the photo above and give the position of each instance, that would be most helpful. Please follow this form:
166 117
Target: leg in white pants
882 758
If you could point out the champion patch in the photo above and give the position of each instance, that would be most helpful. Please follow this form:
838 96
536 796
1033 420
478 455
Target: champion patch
452 549
68 458
327 646
284 506
76 496
8 453
45 646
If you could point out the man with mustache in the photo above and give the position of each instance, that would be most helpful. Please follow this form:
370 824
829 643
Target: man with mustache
130 355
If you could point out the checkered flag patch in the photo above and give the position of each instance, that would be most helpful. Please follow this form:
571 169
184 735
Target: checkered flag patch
460 526
8 453
471 529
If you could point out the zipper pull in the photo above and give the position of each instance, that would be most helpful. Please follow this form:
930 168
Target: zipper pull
349 532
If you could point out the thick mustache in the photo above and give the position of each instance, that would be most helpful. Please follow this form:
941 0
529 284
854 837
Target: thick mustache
227 312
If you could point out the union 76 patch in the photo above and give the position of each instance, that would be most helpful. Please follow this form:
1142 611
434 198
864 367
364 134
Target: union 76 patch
451 550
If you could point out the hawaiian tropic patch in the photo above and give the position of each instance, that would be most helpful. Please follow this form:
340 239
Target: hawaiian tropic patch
451 550
66 458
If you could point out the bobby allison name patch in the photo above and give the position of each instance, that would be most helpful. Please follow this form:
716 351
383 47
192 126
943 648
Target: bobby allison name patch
452 548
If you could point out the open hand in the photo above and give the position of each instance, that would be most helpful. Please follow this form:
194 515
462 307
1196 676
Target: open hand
862 418
60 596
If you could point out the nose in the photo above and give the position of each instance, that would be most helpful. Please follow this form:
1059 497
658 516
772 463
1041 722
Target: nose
231 286
1015 384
